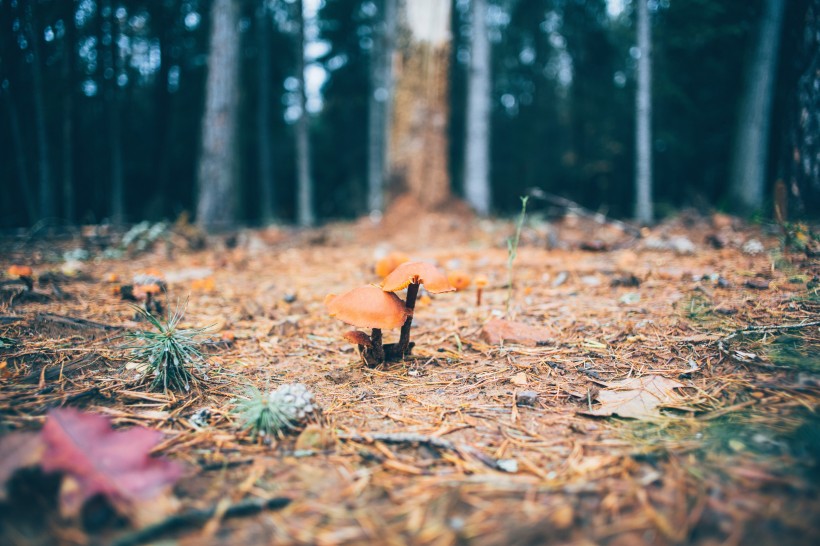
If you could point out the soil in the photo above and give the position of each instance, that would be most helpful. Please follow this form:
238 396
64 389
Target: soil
731 457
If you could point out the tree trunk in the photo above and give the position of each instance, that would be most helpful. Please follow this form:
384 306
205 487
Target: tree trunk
643 120
419 147
381 93
477 153
69 51
111 69
218 162
263 120
46 189
748 182
304 206
19 154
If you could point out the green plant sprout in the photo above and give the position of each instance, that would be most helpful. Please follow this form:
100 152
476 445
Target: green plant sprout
268 413
168 352
262 414
512 251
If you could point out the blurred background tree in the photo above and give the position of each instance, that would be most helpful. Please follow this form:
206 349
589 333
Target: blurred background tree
105 111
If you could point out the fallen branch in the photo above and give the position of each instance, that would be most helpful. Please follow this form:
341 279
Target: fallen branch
191 518
74 322
574 207
420 439
763 330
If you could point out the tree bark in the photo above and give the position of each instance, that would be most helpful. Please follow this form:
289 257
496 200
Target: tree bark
643 119
381 93
477 153
218 161
748 182
418 145
304 206
46 188
263 127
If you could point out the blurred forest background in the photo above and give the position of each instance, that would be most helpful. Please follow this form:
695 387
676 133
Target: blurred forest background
301 111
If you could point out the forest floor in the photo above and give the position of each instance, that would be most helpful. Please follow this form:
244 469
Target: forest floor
725 448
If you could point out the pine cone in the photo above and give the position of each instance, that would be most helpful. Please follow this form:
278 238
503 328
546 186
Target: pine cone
296 401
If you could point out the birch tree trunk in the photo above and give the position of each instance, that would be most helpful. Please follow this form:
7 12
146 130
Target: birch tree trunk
304 181
263 112
748 182
643 119
218 161
477 152
418 145
46 189
381 93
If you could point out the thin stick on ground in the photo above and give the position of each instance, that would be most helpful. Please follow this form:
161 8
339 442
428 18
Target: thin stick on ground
764 329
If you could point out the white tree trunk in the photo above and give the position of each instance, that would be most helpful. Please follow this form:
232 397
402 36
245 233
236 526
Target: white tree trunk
304 182
381 93
748 180
643 120
217 164
477 153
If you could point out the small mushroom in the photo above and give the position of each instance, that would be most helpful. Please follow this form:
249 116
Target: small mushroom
24 273
480 283
411 275
389 263
459 279
360 340
369 307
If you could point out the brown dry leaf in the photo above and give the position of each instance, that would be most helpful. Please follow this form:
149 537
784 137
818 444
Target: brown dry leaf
636 397
497 331
519 379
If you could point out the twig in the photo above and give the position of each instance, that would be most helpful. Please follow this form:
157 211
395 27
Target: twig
570 205
421 439
75 322
763 330
199 517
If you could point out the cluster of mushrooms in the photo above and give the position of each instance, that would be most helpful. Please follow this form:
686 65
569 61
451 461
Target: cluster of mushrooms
379 308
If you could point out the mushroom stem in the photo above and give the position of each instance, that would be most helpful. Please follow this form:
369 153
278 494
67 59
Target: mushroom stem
28 281
378 349
410 304
478 297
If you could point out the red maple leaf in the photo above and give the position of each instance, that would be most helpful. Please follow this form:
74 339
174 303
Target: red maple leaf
94 460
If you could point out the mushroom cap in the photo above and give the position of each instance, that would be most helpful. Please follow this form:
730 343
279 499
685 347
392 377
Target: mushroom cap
386 265
368 307
459 279
142 291
433 279
358 338
20 271
481 281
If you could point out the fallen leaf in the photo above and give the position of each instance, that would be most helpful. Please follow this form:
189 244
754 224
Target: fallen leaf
98 460
18 450
636 398
519 379
498 331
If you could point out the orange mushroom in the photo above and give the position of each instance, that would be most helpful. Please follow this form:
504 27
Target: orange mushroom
480 282
389 263
369 307
361 341
411 275
459 279
24 273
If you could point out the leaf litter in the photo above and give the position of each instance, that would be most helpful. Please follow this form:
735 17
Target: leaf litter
440 448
